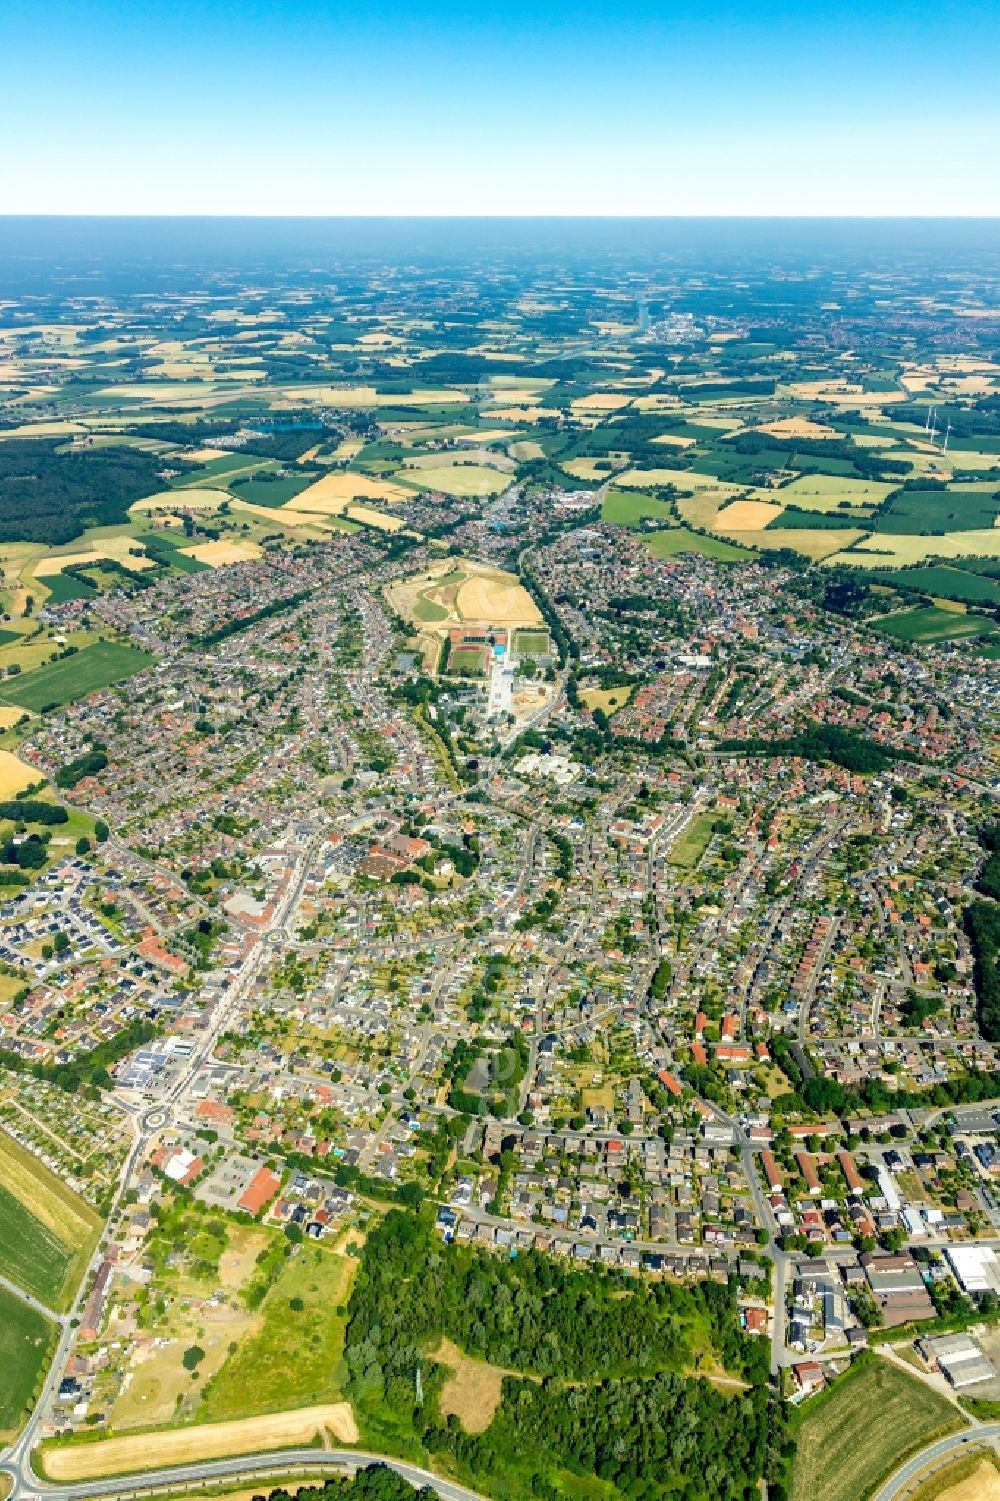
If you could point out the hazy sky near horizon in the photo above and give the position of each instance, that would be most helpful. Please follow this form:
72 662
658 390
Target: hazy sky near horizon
476 107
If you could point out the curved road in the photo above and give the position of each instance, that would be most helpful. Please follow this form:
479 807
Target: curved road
982 1435
178 1476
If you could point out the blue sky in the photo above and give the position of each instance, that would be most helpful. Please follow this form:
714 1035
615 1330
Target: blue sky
533 106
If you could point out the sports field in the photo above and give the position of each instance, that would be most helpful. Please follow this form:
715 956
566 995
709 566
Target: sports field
63 682
842 1454
24 1346
47 1232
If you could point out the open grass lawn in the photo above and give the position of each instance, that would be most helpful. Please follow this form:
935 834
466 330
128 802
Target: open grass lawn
623 509
47 1232
853 1436
62 682
932 623
294 1360
24 1346
688 848
679 540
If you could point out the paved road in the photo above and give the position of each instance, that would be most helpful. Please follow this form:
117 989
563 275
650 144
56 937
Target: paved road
179 1476
902 1483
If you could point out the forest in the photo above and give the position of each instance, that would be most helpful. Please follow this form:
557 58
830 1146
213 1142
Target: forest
603 1390
51 496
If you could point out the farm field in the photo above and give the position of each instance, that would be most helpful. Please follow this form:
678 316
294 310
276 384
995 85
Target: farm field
885 549
47 1232
95 667
25 1338
931 623
678 540
176 1446
455 479
841 1453
332 492
973 1478
15 776
630 510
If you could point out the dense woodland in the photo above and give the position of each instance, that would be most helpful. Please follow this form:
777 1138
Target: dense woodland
630 1414
48 496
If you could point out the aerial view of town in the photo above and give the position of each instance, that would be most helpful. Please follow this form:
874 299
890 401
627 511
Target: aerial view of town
500 873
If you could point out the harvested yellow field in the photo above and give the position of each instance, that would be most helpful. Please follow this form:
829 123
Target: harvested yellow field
816 545
527 448
347 448
457 479
609 700
798 427
472 1391
700 510
675 440
378 519
746 515
659 401
523 414
586 468
177 1446
182 500
683 479
878 550
601 401
42 430
973 1479
9 716
328 495
56 562
204 455
218 554
14 775
497 598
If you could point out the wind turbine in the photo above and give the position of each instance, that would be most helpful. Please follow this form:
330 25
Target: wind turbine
947 435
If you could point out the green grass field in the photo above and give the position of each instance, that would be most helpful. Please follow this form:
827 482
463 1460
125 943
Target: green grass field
294 1359
24 1347
931 623
679 540
30 1254
41 1219
623 509
62 682
843 1453
964 584
689 847
63 587
466 661
532 643
275 492
938 510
